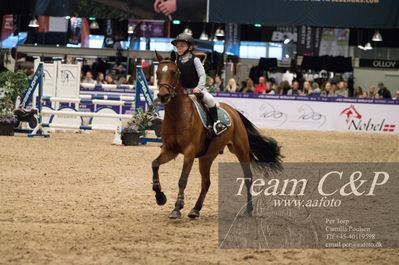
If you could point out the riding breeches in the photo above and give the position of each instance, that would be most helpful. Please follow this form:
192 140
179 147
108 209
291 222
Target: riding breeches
208 99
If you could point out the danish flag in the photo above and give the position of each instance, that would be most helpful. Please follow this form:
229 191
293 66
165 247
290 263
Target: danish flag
389 127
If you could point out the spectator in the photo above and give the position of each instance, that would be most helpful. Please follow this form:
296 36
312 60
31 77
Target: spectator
218 83
231 86
122 81
269 88
383 91
365 94
342 91
295 89
100 78
110 79
283 88
333 90
325 89
250 88
243 85
396 95
307 89
151 82
372 92
377 96
316 89
358 92
261 86
89 78
210 84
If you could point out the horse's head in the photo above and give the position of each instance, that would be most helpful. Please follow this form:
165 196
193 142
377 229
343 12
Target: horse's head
168 77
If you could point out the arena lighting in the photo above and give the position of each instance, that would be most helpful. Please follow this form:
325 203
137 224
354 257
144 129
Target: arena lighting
94 25
219 32
92 18
257 25
130 29
67 17
204 36
361 47
377 36
368 46
33 23
188 31
176 22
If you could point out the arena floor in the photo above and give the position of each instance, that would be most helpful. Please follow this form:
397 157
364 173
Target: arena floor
77 199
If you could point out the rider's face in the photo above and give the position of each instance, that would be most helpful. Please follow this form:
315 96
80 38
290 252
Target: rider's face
181 46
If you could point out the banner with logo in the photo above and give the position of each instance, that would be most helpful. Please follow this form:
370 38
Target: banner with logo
319 114
390 64
232 39
334 42
329 13
308 41
7 28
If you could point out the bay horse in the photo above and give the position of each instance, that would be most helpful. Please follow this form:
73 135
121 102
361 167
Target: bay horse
182 132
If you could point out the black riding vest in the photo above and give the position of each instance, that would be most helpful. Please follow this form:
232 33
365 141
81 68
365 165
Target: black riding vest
188 73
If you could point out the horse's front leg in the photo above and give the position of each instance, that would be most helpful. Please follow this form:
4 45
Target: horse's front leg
188 163
164 157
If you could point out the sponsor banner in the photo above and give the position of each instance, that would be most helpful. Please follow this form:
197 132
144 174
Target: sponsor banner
308 41
379 63
147 28
232 39
309 205
7 28
319 114
329 13
334 42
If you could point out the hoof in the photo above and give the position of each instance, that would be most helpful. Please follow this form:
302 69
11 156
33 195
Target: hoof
161 198
193 214
175 214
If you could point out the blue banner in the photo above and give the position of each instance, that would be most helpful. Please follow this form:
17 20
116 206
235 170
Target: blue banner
142 87
33 83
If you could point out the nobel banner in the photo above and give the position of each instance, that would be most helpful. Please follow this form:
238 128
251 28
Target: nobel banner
326 13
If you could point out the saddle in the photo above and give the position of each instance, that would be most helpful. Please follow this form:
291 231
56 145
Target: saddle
207 121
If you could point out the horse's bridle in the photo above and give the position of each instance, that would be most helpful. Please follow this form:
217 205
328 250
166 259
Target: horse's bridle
171 88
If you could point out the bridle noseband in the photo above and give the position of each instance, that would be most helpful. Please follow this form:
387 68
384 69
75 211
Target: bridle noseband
171 88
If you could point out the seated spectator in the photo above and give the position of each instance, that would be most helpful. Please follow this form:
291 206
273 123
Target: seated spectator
358 92
295 89
307 89
325 89
100 78
261 86
218 83
316 89
333 90
110 79
89 78
342 91
210 84
231 86
396 95
283 88
365 94
269 88
383 91
377 96
371 92
122 81
249 88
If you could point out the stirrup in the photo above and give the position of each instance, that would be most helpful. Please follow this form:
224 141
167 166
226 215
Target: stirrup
219 127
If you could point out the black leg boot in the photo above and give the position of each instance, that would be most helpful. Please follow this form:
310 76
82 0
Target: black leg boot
218 126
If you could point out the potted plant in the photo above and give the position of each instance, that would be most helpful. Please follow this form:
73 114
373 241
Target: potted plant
11 86
136 127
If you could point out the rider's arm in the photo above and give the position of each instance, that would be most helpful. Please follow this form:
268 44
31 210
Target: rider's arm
201 73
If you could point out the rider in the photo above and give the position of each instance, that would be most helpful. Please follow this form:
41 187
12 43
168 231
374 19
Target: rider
192 75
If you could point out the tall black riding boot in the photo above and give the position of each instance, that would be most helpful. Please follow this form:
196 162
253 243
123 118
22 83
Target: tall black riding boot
218 126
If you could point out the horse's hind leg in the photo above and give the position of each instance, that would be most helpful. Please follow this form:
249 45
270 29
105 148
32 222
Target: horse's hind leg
242 153
205 164
164 157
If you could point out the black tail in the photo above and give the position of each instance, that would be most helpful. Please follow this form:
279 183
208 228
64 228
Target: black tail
262 149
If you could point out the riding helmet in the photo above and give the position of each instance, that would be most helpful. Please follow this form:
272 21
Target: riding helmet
184 37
